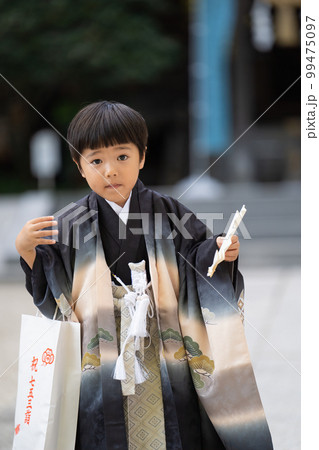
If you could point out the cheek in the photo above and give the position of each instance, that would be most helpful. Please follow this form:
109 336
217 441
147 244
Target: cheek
88 176
91 173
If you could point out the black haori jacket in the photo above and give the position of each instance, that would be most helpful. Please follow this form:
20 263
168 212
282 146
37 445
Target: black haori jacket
210 396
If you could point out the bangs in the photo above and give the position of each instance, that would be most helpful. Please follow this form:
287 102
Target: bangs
104 130
106 124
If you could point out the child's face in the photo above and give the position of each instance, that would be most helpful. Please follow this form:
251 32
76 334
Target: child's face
112 172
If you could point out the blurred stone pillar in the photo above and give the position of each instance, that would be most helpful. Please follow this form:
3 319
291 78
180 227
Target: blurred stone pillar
45 156
240 163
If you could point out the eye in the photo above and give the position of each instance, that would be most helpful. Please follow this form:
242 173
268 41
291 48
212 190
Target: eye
96 162
122 157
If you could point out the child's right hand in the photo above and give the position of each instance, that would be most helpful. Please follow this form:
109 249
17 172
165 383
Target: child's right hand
32 234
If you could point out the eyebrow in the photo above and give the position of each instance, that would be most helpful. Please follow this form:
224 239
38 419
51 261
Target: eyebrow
93 152
122 147
116 147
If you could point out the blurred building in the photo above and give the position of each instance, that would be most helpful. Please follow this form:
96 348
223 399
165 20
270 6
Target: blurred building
201 73
244 56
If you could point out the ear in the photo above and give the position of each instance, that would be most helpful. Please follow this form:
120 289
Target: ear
80 169
142 162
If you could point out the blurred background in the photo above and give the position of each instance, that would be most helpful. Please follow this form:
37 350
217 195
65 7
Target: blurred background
218 84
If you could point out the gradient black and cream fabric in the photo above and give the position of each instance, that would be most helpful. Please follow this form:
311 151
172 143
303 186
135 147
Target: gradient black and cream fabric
205 380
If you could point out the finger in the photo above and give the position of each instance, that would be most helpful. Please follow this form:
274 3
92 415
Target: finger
46 233
231 255
230 258
45 224
234 243
234 247
234 239
41 219
232 252
219 241
45 241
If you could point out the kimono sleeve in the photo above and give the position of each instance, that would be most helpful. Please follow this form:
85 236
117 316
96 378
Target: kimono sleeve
195 242
50 277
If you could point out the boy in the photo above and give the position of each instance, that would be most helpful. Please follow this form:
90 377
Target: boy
164 358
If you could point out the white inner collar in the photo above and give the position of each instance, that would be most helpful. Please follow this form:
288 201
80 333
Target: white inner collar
122 212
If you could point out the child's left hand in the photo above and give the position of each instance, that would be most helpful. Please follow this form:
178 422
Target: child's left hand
233 251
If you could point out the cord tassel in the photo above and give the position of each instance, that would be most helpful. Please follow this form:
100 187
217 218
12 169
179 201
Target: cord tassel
119 371
140 372
138 325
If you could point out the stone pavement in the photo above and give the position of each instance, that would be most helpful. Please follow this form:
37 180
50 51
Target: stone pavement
273 332
14 301
272 311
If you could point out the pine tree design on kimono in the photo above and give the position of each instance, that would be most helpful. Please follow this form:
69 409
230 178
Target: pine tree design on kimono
202 367
91 360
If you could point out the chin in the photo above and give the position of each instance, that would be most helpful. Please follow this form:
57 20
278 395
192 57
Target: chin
116 199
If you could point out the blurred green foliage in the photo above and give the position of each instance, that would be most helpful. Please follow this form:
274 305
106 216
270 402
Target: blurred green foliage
62 54
106 42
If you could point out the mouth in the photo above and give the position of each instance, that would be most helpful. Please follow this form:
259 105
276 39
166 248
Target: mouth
112 186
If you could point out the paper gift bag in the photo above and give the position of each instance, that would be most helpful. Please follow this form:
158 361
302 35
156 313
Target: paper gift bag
48 384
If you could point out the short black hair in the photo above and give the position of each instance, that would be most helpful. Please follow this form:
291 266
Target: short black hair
103 124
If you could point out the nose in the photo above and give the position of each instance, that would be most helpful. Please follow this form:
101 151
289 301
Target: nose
110 170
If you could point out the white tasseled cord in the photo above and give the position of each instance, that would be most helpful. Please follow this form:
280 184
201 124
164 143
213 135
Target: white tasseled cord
138 303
